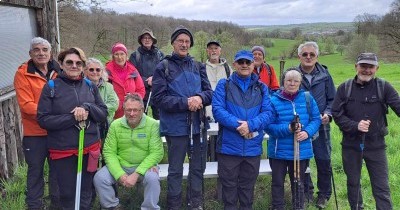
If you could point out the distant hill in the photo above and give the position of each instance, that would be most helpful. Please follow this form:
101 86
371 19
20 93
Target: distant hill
306 28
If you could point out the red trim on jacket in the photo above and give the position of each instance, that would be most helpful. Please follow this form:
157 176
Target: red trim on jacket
58 154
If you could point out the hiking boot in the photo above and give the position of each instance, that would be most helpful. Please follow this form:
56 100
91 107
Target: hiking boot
321 203
117 207
197 208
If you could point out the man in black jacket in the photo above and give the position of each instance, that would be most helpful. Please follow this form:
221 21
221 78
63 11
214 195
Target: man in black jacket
359 109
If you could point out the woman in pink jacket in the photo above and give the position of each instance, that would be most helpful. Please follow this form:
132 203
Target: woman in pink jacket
123 76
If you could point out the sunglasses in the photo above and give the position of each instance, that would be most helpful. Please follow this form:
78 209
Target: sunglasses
71 63
93 69
305 55
244 61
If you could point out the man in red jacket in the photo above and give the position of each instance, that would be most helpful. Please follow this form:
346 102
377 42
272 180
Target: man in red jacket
29 80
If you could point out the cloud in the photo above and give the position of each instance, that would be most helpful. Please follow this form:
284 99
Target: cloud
255 12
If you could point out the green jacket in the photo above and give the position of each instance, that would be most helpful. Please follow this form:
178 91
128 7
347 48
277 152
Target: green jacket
140 147
110 98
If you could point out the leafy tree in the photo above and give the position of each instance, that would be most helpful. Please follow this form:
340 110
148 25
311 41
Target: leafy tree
362 44
340 49
329 45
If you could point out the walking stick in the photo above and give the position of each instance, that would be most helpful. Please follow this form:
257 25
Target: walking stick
296 159
190 122
203 135
362 154
82 125
148 102
330 168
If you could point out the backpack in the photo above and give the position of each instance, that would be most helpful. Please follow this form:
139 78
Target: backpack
52 89
138 56
380 84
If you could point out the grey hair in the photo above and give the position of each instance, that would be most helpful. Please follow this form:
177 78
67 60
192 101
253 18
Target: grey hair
104 74
292 73
39 40
133 97
306 44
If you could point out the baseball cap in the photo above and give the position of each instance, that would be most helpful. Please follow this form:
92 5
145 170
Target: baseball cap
244 54
368 58
214 42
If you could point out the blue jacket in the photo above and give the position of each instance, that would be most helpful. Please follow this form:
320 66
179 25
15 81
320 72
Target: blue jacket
280 143
185 78
236 99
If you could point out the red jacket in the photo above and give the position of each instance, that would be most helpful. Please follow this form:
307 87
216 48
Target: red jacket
28 86
271 81
133 83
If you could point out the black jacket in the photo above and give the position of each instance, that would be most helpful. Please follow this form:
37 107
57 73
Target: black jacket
364 103
54 112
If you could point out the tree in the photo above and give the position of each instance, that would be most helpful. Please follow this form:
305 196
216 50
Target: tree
367 24
329 45
340 49
391 31
199 50
362 44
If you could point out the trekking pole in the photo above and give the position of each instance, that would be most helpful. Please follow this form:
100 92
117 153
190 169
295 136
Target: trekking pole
148 102
203 135
190 121
362 154
331 169
296 162
82 125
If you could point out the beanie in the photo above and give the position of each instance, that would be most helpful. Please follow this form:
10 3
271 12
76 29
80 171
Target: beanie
258 48
182 30
119 46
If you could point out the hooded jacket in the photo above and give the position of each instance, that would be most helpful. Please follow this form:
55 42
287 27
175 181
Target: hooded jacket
232 102
280 142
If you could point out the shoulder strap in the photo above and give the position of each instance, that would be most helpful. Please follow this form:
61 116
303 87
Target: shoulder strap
308 103
347 88
51 85
380 84
227 70
269 70
89 83
137 54
165 64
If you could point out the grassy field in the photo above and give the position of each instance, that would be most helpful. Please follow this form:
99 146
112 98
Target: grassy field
13 193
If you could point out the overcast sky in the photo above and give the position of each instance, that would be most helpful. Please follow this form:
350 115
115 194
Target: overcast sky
255 12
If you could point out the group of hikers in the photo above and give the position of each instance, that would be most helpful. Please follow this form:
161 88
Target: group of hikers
59 99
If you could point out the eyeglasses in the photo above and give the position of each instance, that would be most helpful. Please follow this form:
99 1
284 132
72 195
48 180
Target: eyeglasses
71 63
305 55
93 69
243 61
133 110
181 41
147 38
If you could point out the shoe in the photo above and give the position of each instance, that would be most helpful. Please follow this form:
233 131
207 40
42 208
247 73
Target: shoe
117 207
309 198
321 203
197 208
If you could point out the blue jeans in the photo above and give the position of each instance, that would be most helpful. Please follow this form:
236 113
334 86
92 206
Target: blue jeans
178 147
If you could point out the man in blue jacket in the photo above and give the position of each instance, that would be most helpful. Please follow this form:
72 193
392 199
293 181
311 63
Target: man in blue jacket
318 81
181 90
242 108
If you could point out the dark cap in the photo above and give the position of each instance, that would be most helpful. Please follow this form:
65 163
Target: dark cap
213 42
368 58
150 33
244 54
182 30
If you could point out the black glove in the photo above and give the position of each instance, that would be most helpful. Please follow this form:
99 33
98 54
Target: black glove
294 124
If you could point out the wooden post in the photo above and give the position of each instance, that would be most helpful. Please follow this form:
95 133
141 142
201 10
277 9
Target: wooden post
3 154
11 143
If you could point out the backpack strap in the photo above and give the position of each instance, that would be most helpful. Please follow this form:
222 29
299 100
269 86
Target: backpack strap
137 55
380 84
90 84
227 70
165 64
308 103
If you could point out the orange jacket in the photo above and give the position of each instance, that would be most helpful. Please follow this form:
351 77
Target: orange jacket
28 86
271 81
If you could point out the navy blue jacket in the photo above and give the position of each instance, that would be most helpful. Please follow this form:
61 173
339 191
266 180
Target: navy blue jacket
146 65
54 113
171 91
231 103
280 143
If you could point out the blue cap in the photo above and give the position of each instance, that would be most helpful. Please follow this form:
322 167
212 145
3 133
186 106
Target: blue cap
244 54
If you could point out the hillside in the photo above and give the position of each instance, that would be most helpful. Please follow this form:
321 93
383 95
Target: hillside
306 28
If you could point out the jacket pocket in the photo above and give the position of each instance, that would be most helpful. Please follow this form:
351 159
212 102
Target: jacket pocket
93 160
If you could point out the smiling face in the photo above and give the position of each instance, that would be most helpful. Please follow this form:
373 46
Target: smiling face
93 71
120 58
213 52
292 81
243 67
147 41
365 72
308 57
181 45
133 112
40 54
72 66
258 58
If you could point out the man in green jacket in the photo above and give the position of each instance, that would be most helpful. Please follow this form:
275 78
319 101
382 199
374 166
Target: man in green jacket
132 150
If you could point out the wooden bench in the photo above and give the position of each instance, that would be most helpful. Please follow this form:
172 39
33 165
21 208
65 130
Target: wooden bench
211 169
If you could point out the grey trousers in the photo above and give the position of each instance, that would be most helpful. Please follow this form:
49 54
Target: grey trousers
103 182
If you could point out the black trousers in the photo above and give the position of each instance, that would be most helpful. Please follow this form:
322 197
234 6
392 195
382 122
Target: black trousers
35 151
238 175
279 170
66 176
376 163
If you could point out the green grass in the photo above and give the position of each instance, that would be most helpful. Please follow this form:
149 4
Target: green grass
13 189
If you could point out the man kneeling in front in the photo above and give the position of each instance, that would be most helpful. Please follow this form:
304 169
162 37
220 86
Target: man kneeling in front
132 150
